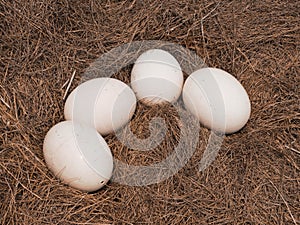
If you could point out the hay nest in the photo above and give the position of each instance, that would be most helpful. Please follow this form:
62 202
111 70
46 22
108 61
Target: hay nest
255 178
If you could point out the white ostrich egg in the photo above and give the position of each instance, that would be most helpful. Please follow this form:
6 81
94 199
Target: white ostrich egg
104 103
217 99
156 77
78 156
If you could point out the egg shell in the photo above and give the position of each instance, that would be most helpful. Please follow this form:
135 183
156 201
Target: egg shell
156 77
78 155
217 99
104 103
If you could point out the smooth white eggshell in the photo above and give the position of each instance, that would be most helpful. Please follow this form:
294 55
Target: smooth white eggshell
78 155
156 77
217 99
104 103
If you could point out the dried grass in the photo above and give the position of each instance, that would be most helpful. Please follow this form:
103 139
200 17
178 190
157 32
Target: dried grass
256 176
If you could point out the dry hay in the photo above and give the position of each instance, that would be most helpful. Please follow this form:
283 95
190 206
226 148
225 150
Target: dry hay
255 179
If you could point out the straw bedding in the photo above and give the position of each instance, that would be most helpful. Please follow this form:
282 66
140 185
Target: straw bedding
255 178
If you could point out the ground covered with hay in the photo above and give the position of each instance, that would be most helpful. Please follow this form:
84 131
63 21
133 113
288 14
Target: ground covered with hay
255 178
